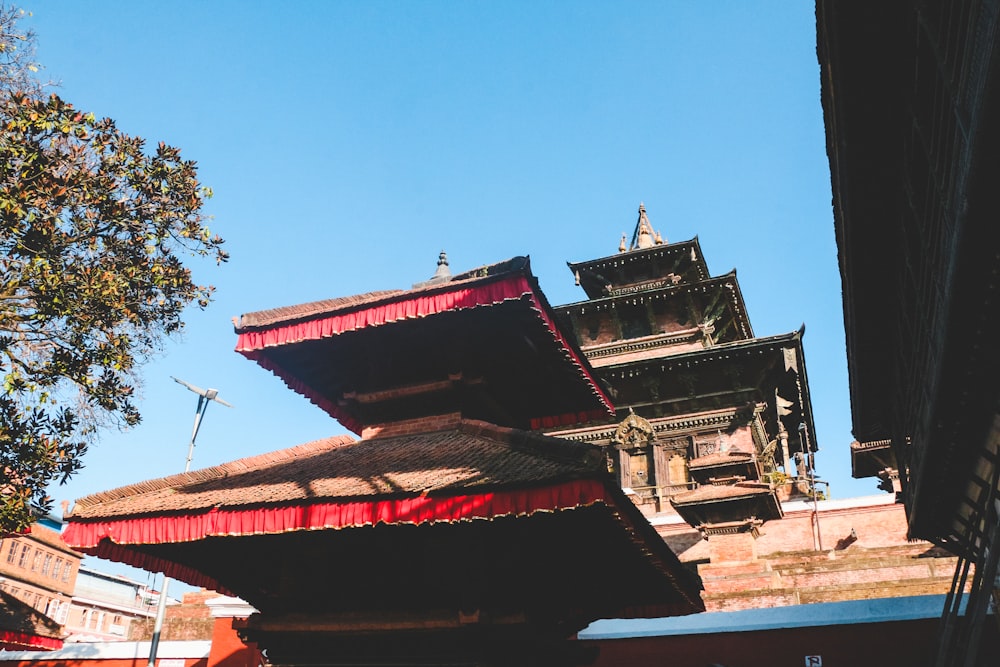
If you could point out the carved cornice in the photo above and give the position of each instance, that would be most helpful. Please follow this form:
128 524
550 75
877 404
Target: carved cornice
655 291
872 444
668 426
646 286
641 344
751 525
730 353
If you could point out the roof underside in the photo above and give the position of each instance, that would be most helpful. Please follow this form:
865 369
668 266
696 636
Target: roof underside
911 98
601 277
727 503
718 300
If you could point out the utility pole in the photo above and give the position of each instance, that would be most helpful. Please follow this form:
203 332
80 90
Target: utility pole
205 396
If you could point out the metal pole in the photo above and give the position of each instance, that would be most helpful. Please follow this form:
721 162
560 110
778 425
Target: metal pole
811 461
198 414
161 612
204 396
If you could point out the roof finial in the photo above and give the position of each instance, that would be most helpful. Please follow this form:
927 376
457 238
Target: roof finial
443 271
621 246
644 236
441 275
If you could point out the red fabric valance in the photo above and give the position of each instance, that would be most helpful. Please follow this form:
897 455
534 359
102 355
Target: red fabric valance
18 641
253 344
111 538
417 305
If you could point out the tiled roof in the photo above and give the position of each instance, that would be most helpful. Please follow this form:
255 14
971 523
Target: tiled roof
475 455
709 492
18 616
305 311
263 318
50 538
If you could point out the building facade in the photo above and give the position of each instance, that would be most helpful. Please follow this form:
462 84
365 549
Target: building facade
39 569
104 607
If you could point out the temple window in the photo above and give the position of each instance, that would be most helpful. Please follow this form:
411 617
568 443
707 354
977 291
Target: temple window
678 471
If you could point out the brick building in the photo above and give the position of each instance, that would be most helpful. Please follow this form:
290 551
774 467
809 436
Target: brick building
217 645
39 569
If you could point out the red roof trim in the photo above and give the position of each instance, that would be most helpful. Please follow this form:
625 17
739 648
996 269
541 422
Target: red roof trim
403 306
253 344
15 641
112 539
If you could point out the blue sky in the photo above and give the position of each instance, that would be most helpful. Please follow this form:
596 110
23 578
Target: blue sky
349 142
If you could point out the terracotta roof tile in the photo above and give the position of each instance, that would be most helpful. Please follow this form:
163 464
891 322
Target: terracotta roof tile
263 318
473 455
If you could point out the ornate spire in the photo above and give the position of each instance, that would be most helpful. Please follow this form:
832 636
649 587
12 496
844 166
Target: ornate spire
644 236
441 275
442 272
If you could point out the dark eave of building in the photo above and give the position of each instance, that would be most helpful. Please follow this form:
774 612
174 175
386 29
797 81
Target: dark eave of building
727 282
862 49
686 253
770 349
868 459
911 100
710 504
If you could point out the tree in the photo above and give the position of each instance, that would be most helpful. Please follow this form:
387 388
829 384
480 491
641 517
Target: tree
93 228
17 54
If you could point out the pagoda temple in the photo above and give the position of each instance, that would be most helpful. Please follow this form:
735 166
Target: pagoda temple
454 531
713 423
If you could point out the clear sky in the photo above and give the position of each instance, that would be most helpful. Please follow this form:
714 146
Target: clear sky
349 142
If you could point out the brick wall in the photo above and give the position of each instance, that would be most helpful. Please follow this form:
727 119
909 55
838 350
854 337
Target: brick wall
880 562
190 620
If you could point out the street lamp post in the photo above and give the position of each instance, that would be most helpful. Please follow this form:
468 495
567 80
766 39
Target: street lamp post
205 396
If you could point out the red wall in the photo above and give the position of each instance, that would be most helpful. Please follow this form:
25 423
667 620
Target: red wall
228 650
